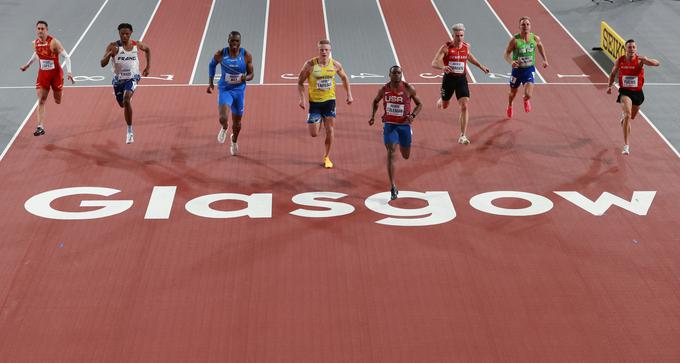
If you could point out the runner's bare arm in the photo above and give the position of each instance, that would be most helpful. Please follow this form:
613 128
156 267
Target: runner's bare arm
419 105
508 54
58 48
250 73
110 51
474 61
345 81
649 61
376 101
216 59
304 74
438 61
612 76
541 50
147 52
34 56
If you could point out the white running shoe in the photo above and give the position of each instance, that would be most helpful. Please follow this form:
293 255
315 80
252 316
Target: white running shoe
463 140
130 138
626 150
222 135
234 146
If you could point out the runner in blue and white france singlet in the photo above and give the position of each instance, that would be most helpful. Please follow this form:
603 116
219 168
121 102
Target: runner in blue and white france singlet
125 69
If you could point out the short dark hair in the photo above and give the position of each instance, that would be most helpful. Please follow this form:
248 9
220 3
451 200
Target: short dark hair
324 41
234 33
125 26
393 67
42 22
630 41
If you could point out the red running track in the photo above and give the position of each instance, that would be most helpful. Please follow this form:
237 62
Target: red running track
292 36
174 43
561 286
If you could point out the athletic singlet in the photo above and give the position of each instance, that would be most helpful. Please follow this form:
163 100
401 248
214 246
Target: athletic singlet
456 58
126 63
525 51
233 68
321 81
396 104
49 60
631 74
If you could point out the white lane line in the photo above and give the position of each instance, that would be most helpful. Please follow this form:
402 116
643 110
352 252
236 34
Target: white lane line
200 47
264 43
35 105
509 33
389 37
607 74
88 28
325 19
446 27
150 19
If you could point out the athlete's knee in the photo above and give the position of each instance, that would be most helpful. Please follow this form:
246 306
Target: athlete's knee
463 105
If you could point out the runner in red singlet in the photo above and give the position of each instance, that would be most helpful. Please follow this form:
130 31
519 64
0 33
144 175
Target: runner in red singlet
397 118
452 58
50 75
631 78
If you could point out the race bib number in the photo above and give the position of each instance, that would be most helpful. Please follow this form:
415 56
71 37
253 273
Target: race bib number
125 74
234 78
46 64
630 81
394 109
324 84
526 61
458 67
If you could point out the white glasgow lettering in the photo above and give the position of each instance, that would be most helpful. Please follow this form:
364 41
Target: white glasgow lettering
439 206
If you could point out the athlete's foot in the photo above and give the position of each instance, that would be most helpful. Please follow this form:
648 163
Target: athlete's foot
130 138
440 104
626 150
463 140
508 112
39 131
394 192
527 106
327 163
234 146
222 135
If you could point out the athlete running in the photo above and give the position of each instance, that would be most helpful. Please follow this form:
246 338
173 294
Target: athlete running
124 53
397 118
47 49
452 58
236 68
631 79
521 55
320 75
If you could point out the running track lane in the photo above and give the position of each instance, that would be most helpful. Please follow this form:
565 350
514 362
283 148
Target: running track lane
417 34
289 289
291 38
174 37
564 55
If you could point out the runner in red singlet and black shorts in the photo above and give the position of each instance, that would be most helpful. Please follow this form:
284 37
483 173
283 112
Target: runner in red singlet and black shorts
631 78
397 119
50 75
452 58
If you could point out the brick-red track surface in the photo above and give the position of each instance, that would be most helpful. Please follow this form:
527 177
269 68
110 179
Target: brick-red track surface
561 286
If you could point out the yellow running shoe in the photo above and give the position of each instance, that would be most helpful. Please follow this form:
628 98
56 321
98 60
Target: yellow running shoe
327 163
